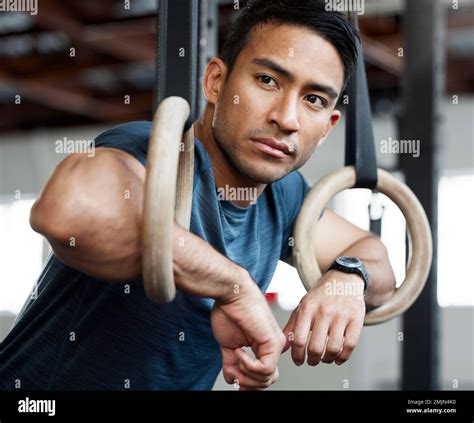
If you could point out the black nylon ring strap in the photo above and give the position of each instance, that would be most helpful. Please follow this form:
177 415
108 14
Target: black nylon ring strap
360 147
177 58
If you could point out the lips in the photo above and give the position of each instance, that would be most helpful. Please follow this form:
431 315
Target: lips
272 147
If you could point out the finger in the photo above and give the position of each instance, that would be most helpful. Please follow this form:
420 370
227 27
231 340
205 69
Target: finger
255 376
228 373
264 366
335 340
300 336
253 369
267 354
246 382
246 388
229 360
265 381
351 339
318 339
288 330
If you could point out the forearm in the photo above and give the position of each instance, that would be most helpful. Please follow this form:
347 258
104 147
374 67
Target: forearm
201 270
198 268
381 277
91 213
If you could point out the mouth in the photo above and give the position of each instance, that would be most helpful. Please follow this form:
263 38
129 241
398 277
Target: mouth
272 147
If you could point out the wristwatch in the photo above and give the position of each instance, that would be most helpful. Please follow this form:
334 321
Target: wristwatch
348 264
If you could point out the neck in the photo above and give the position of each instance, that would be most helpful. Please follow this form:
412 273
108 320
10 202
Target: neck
225 174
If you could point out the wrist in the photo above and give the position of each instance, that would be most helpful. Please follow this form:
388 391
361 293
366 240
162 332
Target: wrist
351 266
342 283
340 276
240 284
202 271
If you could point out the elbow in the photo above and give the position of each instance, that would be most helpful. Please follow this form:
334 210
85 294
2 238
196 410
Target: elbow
45 220
38 217
390 289
388 275
384 277
390 281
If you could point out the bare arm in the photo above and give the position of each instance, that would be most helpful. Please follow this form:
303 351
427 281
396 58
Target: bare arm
338 237
328 322
91 212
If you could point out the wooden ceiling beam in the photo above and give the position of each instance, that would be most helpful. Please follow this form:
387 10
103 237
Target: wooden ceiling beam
67 100
118 40
382 56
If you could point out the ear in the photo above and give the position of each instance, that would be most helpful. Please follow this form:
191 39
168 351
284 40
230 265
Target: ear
214 79
333 120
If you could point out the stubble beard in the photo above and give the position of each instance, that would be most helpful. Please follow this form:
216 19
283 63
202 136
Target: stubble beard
229 149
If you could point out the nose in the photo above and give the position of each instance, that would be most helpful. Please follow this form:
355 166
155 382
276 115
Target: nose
284 113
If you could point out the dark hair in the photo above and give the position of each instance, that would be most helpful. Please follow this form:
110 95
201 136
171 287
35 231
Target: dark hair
333 26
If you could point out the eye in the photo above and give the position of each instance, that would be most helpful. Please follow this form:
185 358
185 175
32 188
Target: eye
316 100
267 80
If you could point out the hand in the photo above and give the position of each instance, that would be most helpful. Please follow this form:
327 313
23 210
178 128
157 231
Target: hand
248 321
328 321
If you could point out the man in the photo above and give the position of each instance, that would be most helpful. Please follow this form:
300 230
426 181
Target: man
271 100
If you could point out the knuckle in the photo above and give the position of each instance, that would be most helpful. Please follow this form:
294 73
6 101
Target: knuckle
315 352
350 345
297 358
327 310
331 350
267 371
343 357
356 318
305 307
281 340
299 342
347 316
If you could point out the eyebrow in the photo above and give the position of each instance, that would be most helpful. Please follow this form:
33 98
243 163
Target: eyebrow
267 63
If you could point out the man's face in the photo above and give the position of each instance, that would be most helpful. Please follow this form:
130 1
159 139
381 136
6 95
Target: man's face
278 102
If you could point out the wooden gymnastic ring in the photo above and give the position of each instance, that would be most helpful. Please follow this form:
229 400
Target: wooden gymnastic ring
419 262
168 195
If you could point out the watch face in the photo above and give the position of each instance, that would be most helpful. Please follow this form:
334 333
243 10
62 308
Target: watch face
349 261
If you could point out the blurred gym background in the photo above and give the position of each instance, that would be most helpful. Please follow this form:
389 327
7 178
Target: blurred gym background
76 68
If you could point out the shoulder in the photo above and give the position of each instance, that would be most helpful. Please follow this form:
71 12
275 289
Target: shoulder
130 137
139 129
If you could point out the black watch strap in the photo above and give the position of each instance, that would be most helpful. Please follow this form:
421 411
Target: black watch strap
348 264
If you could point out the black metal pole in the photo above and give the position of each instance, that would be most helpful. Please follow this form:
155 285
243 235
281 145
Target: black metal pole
421 119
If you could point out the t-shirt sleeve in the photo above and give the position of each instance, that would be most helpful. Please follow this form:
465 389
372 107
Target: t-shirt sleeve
294 189
130 137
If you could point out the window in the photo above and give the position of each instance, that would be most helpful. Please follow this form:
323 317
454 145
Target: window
21 254
455 237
